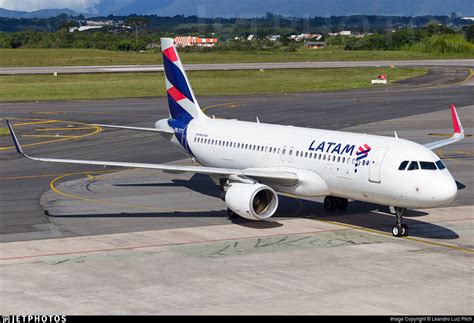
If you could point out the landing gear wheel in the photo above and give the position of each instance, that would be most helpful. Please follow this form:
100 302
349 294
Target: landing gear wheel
330 203
399 229
232 214
342 204
404 230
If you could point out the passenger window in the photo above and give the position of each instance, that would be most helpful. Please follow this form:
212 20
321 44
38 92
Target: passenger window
413 166
440 164
428 165
306 154
297 152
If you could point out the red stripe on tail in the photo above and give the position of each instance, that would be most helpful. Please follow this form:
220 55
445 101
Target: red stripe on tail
170 54
175 94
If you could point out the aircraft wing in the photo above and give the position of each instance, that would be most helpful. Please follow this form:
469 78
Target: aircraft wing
457 135
282 177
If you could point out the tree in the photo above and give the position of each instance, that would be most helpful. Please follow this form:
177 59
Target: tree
137 22
469 31
68 24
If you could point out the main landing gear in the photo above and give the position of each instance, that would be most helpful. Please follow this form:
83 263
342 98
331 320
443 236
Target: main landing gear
331 203
399 229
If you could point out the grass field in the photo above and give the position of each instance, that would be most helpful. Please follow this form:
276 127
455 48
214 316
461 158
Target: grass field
70 57
101 86
3 132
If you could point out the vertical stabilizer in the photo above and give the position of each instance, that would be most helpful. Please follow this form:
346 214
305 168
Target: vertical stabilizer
182 103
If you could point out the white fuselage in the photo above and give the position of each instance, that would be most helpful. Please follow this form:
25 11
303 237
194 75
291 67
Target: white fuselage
328 155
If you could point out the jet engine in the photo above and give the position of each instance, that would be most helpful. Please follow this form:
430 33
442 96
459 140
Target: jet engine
251 201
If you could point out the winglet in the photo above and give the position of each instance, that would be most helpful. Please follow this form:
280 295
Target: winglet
457 126
458 134
15 140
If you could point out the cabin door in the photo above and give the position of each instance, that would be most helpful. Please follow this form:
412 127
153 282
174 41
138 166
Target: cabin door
376 164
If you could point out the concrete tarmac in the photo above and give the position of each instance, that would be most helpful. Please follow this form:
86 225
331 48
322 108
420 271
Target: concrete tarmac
61 129
469 63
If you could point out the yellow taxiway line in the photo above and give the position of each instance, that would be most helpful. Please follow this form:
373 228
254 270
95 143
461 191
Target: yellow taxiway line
96 131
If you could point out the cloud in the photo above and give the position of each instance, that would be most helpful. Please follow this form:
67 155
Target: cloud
30 5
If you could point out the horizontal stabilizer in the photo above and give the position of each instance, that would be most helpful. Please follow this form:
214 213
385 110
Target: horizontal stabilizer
135 128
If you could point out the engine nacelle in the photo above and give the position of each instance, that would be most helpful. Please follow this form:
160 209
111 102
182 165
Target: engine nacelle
252 201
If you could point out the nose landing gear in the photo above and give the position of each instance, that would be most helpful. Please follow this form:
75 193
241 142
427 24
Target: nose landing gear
399 229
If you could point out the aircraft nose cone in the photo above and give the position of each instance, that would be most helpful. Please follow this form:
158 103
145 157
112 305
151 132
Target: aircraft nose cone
447 191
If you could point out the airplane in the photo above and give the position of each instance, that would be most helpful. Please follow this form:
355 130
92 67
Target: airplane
252 161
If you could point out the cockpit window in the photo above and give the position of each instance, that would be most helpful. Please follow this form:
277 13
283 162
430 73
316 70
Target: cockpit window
440 164
413 166
403 165
427 165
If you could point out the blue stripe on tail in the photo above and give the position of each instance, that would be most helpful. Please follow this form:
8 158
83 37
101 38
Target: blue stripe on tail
176 77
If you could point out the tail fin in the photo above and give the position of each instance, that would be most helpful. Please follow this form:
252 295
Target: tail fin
182 103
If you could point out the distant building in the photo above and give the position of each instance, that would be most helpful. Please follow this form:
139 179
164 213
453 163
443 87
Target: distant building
186 41
314 44
251 37
349 33
82 28
306 37
273 37
91 24
342 33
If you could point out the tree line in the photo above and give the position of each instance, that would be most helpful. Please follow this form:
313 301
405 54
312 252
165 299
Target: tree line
136 33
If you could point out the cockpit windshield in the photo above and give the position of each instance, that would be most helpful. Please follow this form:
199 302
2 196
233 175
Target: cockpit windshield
428 165
440 164
413 165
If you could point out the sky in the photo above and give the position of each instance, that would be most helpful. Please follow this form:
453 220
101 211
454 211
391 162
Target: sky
250 8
